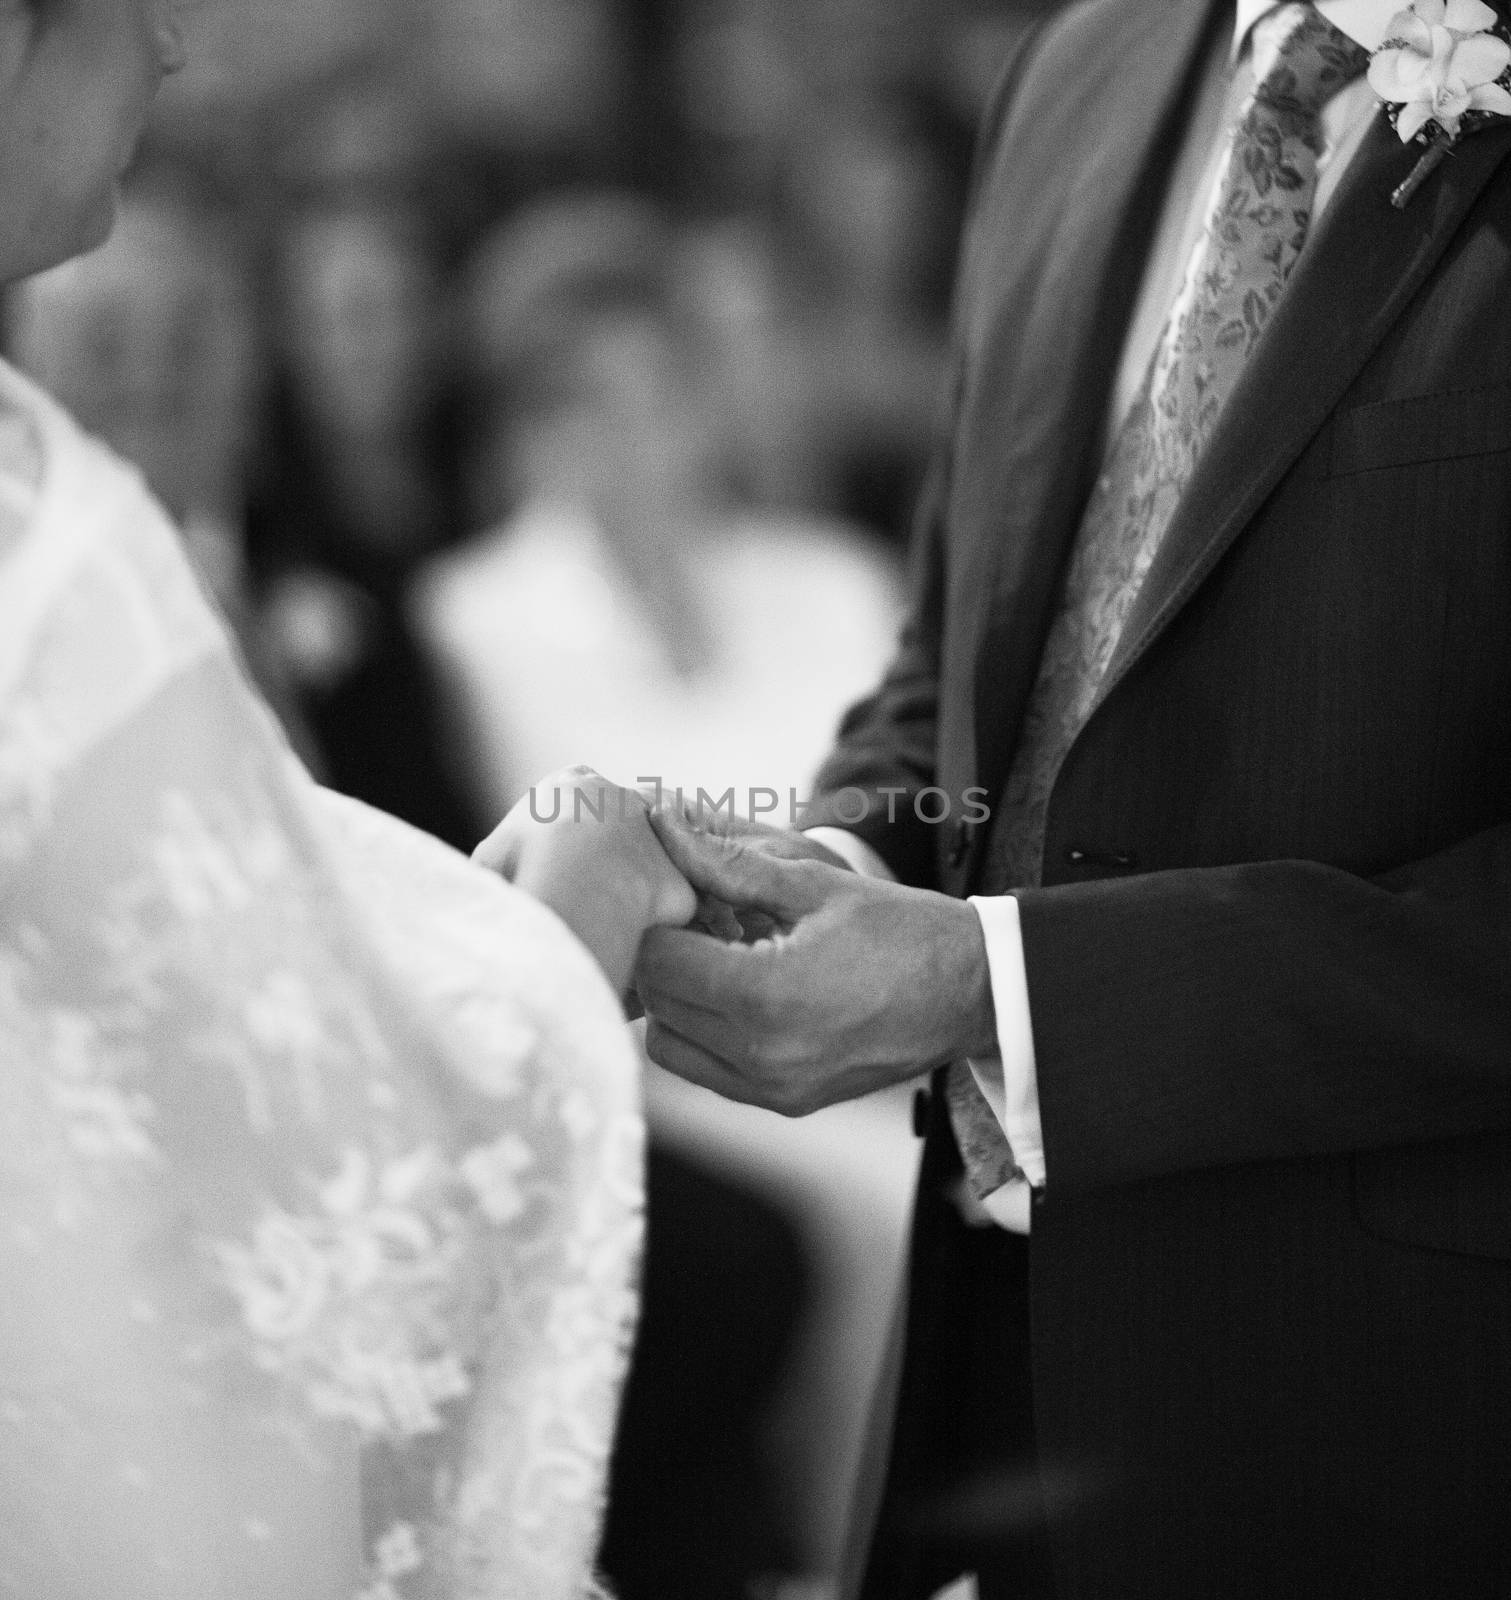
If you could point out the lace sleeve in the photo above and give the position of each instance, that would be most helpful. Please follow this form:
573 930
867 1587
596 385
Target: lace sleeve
319 1150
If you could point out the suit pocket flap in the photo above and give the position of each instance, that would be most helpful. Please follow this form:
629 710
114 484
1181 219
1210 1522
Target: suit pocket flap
1454 1195
1430 427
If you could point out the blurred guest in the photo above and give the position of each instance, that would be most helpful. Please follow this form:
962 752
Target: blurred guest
528 95
740 90
626 609
539 76
755 353
625 603
875 200
152 342
357 131
354 489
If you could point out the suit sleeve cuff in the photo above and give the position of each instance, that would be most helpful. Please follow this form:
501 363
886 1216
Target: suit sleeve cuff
1009 1081
853 850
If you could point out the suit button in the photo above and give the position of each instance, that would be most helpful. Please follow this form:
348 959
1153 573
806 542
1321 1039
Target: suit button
960 842
1118 860
920 1113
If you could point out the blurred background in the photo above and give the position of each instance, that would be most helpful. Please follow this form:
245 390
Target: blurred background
548 380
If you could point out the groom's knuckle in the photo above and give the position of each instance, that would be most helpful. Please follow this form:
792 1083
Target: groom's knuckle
812 880
737 853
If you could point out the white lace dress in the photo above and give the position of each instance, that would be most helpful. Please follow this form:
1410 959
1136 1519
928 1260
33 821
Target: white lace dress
319 1148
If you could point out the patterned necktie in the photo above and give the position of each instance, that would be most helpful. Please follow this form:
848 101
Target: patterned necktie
1255 225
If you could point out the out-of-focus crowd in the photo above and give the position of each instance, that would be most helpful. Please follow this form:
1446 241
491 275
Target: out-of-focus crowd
552 379
386 270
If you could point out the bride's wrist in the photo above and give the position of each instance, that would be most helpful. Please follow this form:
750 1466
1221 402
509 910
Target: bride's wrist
609 914
629 901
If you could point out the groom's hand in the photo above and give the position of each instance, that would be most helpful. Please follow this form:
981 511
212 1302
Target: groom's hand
862 983
715 914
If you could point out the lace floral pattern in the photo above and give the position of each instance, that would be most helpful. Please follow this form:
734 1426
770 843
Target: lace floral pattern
319 1150
355 1303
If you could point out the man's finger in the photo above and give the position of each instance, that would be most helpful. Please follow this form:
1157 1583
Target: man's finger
730 869
716 917
689 1060
698 971
725 1037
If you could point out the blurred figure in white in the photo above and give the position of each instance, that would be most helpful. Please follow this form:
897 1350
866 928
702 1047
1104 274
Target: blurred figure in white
757 354
625 609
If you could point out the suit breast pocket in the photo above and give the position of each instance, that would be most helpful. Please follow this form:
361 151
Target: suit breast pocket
1453 1195
1452 425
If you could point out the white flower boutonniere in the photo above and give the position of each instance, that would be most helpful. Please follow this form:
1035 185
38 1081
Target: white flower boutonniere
1443 70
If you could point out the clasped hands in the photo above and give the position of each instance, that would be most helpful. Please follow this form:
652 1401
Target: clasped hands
768 971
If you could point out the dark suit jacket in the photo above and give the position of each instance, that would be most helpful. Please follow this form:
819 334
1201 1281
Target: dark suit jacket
1270 965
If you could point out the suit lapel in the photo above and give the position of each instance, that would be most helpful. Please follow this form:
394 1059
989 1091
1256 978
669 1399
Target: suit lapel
1350 285
1048 291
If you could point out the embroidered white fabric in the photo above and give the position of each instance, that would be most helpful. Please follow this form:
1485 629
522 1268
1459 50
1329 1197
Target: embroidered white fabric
320 1149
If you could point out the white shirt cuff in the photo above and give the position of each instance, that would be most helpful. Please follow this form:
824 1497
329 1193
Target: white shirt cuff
1008 1206
853 851
1009 1081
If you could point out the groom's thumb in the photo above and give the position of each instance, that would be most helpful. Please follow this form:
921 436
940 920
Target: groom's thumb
734 869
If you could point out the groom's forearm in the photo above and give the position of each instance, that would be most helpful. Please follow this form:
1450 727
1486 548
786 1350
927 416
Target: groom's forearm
869 984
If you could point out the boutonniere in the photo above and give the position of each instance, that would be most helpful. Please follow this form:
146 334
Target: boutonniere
1443 70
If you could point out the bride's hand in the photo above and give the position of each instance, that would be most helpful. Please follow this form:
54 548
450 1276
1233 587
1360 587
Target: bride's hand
584 846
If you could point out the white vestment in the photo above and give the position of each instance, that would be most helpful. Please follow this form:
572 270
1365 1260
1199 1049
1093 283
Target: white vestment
319 1148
